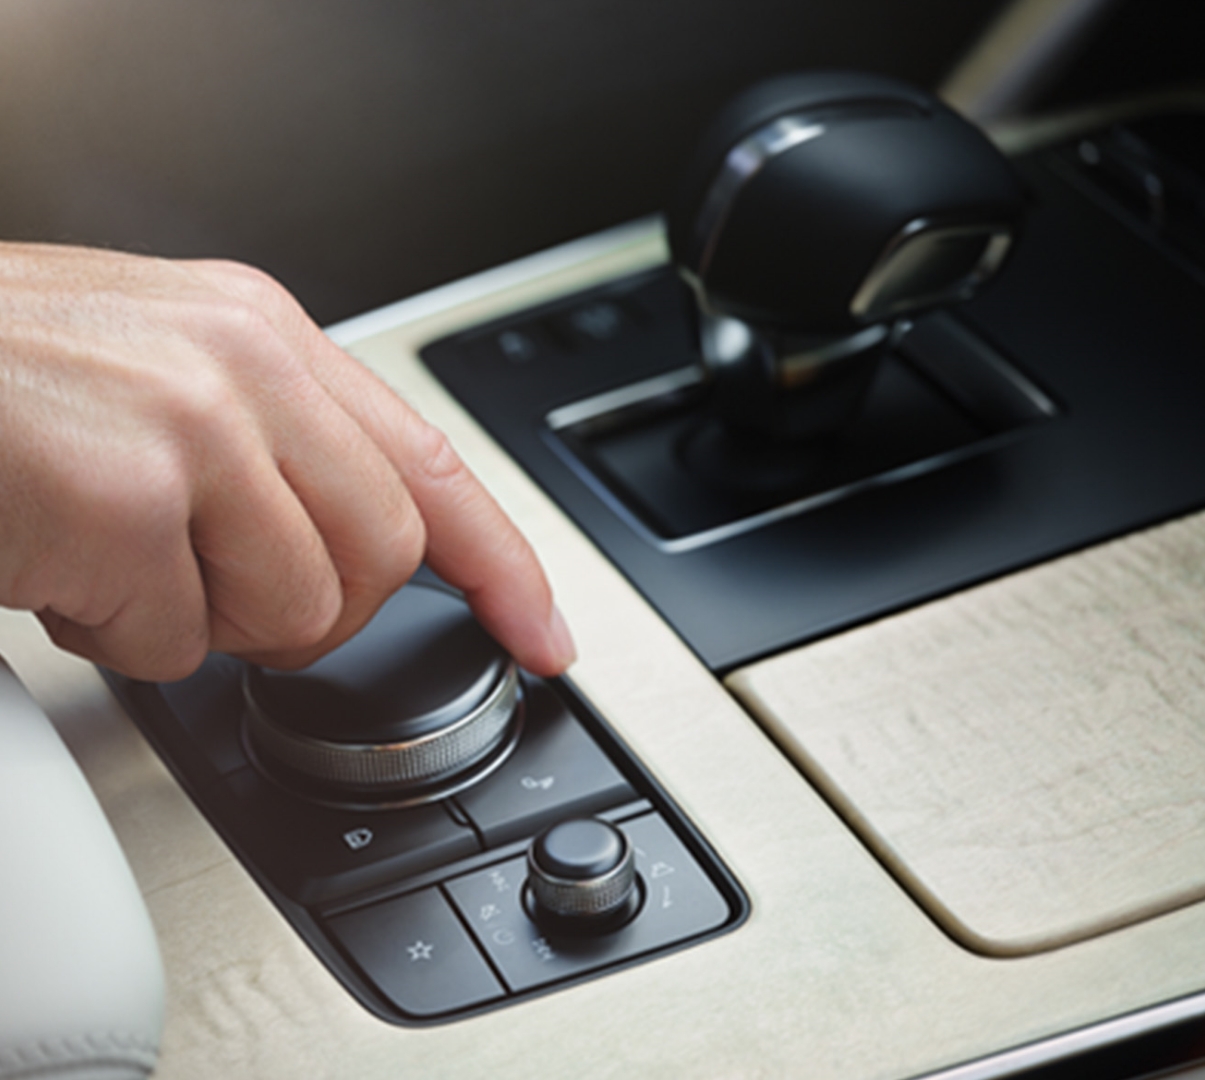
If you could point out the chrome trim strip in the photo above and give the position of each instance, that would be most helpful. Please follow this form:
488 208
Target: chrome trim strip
744 161
625 396
647 390
999 240
795 368
990 357
1083 1040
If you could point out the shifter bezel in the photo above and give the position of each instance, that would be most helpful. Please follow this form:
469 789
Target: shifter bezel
940 395
1087 309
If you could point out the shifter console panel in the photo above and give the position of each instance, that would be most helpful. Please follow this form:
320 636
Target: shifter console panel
1070 413
942 394
403 860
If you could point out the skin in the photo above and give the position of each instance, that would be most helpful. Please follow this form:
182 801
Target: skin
187 463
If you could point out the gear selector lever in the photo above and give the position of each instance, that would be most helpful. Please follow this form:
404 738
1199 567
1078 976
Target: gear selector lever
819 211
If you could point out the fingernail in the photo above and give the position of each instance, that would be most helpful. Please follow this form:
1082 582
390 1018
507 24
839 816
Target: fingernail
562 640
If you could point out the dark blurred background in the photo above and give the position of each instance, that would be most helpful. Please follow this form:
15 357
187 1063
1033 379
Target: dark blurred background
363 150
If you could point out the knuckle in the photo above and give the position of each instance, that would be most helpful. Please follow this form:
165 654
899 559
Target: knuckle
395 554
198 403
252 344
307 620
438 459
258 302
242 278
244 321
409 547
510 547
232 313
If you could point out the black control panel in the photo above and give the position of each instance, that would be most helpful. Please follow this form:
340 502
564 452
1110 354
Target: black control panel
1062 407
416 889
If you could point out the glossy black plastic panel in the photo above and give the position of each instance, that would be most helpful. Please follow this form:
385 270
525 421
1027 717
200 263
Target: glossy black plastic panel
671 465
377 889
1089 309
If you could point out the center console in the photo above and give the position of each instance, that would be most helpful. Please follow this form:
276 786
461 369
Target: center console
496 839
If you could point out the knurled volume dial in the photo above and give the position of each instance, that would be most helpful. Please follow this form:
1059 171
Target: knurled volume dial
421 703
582 876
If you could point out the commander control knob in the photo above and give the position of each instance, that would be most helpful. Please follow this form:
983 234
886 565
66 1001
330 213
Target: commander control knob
819 211
419 704
582 877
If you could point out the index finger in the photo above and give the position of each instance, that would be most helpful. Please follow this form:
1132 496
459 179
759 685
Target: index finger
471 543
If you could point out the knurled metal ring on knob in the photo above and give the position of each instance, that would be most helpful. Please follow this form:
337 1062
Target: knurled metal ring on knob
416 764
582 876
418 705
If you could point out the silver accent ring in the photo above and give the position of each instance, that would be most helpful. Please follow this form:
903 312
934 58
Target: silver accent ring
589 898
383 766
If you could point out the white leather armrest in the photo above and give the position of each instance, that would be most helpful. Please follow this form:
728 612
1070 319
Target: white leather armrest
81 981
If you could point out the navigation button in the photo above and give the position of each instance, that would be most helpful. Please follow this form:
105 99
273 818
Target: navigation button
418 954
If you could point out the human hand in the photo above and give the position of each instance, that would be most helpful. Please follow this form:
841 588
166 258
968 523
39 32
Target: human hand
187 463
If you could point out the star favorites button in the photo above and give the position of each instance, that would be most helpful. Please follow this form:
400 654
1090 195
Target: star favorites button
418 954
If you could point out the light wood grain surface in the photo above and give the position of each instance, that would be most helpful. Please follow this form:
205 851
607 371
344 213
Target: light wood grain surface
1027 756
838 973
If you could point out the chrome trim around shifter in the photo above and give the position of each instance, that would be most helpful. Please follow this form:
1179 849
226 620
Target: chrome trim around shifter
742 163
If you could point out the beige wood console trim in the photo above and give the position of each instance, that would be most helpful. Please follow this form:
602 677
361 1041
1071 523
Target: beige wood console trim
1026 756
838 972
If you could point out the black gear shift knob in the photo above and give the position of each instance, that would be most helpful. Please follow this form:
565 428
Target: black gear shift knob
819 210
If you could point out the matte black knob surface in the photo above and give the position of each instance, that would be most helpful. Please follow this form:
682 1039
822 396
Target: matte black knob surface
407 710
583 872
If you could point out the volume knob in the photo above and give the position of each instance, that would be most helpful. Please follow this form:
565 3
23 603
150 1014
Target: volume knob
421 703
582 875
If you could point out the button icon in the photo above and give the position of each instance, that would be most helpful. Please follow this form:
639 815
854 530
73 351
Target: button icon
517 347
499 881
420 950
357 838
598 321
530 783
660 869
